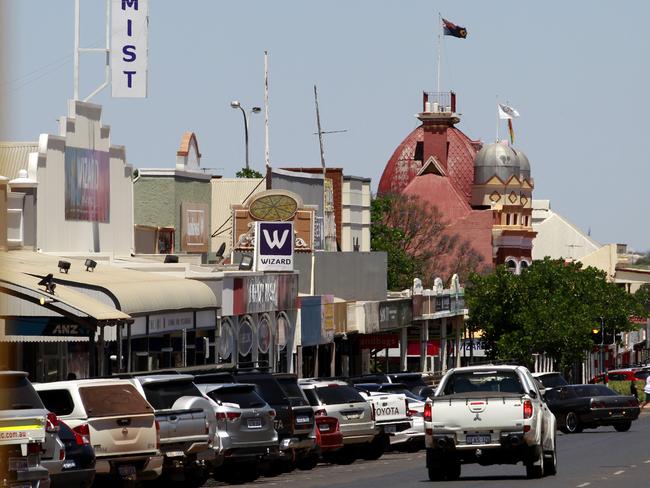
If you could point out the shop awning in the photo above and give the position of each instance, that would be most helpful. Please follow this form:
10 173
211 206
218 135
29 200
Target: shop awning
132 292
23 300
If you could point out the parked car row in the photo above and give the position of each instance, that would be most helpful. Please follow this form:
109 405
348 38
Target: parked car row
176 427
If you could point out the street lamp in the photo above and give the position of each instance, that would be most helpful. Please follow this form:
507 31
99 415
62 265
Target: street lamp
255 110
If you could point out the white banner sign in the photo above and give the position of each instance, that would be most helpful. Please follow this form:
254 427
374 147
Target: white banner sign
129 45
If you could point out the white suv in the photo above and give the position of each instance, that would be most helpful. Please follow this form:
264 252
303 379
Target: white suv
356 416
116 419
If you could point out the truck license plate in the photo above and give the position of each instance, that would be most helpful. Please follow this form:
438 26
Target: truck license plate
478 439
254 423
126 470
171 454
302 419
390 429
18 464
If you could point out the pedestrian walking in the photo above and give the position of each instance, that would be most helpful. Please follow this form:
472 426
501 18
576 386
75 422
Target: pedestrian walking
646 390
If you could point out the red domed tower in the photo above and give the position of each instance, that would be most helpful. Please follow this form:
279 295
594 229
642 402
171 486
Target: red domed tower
490 207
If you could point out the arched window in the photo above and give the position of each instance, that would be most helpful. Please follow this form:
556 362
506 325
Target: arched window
511 266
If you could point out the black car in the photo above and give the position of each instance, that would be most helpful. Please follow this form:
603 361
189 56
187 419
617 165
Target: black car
79 465
579 407
294 423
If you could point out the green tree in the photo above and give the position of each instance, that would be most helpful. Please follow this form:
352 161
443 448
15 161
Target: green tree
643 297
414 235
552 307
248 173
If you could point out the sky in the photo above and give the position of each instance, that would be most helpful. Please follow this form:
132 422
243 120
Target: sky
578 73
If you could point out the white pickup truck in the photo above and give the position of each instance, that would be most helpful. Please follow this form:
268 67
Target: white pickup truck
488 415
391 415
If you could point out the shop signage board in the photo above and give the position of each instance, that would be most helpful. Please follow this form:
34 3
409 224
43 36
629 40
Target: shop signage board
274 246
87 185
394 314
162 323
259 293
129 48
473 347
194 227
378 341
43 326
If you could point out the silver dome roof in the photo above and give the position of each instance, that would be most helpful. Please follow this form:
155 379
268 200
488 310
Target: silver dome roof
495 159
524 164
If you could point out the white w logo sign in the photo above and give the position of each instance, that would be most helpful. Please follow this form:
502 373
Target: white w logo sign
275 242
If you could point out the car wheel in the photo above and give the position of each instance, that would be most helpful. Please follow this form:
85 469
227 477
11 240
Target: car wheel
535 466
550 460
572 423
307 463
435 466
623 426
376 448
452 470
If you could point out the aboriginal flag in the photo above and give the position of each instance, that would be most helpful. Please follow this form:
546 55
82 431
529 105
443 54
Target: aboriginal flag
451 29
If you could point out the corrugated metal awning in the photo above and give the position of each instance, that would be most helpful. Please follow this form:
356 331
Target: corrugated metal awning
132 292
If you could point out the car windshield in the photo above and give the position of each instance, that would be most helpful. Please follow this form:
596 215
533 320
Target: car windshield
17 393
112 400
409 380
337 394
163 395
267 387
552 380
293 391
397 388
483 381
593 390
245 397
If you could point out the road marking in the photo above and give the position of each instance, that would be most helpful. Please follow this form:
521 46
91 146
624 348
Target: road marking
583 485
619 472
647 462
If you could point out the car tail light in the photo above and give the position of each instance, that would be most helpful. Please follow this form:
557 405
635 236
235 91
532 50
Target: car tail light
52 423
61 454
406 404
633 402
427 412
271 413
82 434
373 415
597 404
411 413
157 434
528 409
322 412
232 416
207 426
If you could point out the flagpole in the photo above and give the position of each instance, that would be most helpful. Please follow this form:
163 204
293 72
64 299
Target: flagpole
497 118
439 50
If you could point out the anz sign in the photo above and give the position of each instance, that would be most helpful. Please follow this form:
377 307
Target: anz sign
274 246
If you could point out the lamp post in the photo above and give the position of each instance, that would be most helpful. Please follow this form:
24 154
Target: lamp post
235 104
602 345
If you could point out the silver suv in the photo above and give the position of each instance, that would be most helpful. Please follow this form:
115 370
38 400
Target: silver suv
356 416
244 429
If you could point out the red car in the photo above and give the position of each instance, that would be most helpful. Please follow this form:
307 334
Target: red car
328 434
631 374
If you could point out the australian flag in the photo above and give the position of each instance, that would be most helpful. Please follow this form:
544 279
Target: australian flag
451 29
